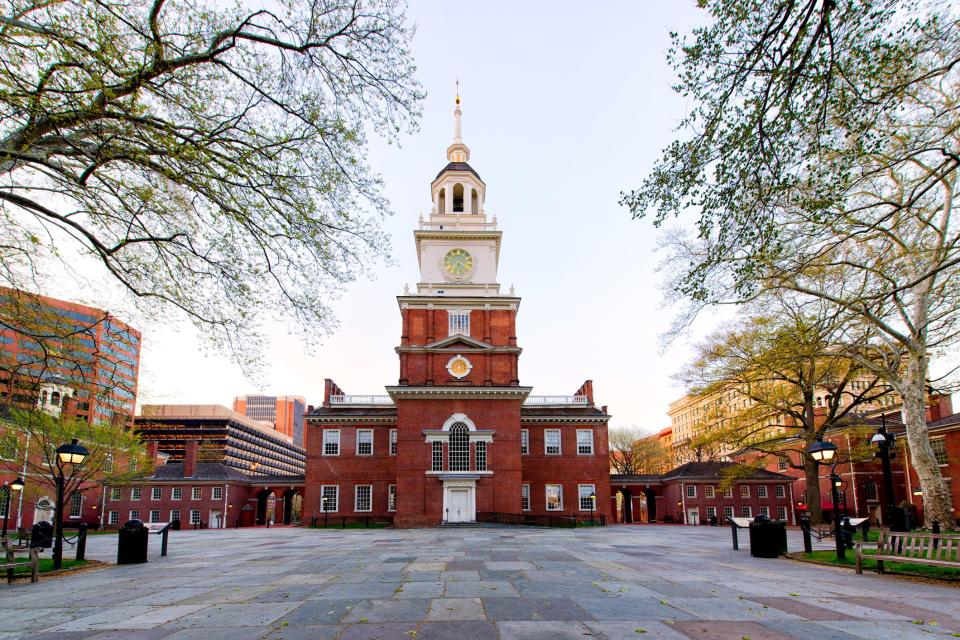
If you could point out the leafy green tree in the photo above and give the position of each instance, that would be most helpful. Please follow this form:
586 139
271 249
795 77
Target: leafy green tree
821 157
209 158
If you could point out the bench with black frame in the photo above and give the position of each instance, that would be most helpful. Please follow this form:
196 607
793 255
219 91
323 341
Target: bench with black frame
10 562
914 547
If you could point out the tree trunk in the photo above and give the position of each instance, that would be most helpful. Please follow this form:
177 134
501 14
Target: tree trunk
936 499
812 472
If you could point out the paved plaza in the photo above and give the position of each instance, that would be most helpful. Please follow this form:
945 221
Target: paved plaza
470 584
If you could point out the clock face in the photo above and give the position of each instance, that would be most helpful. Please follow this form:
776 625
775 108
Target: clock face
458 263
459 366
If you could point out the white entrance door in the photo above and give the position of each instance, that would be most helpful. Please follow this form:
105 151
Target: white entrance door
693 516
215 520
459 505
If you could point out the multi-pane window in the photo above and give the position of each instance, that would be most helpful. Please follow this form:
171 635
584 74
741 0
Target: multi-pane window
728 512
363 497
870 489
436 456
174 514
551 442
176 493
76 504
134 514
711 512
746 512
459 448
114 494
218 493
196 493
525 497
585 442
728 492
155 493
554 497
744 491
364 442
331 442
108 464
587 495
481 448
782 463
762 491
782 513
765 511
781 492
194 516
154 515
113 517
459 323
524 441
939 447
708 491
393 442
3 508
8 447
330 497
135 493
392 497
691 491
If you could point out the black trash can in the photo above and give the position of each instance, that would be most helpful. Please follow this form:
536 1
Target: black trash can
175 525
713 521
41 535
767 539
132 543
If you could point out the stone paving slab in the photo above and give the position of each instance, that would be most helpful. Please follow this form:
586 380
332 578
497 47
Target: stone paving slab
665 582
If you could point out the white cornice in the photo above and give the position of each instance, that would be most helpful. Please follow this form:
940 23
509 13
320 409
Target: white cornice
565 418
489 393
351 418
439 435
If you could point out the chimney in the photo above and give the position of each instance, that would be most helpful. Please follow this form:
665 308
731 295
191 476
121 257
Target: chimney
327 391
153 448
190 458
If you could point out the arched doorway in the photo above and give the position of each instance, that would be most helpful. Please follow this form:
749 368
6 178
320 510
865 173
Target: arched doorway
264 506
626 504
651 499
291 506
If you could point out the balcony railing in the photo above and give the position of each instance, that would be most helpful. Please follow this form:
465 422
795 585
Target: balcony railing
458 226
557 401
361 400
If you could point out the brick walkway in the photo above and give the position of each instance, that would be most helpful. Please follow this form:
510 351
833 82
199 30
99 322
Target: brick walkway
467 584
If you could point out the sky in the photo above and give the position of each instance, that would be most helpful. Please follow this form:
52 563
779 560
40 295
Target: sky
563 110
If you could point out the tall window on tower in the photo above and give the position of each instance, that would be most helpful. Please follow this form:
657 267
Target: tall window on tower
459 448
458 198
459 323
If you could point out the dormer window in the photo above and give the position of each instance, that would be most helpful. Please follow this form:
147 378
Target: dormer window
459 323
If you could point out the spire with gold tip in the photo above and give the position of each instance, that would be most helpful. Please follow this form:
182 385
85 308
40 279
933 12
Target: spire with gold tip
458 151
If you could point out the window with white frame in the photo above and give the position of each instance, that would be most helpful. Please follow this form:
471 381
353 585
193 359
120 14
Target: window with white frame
728 512
8 447
436 456
782 463
780 491
481 455
392 497
113 517
363 497
459 448
585 442
174 514
691 491
218 493
155 493
728 492
196 493
870 490
3 508
76 504
554 497
135 493
194 516
108 464
393 442
134 514
746 512
176 493
711 512
459 322
329 497
586 501
114 494
525 497
765 511
154 515
782 513
524 441
744 491
708 491
331 442
939 447
364 442
551 442
762 491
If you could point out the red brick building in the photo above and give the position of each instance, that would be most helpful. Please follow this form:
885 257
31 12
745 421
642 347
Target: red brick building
458 436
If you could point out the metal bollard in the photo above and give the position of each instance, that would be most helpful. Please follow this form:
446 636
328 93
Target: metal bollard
733 530
82 541
805 528
163 541
935 529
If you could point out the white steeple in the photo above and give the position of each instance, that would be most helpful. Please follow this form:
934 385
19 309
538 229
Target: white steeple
458 152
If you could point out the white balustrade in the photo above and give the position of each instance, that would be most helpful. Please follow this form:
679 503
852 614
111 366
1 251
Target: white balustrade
361 400
556 400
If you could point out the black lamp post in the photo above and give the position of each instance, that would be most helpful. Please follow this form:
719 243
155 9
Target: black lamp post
826 453
16 485
593 504
67 454
324 500
885 442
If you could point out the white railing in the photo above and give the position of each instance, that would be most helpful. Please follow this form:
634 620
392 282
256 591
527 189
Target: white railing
362 400
458 226
557 400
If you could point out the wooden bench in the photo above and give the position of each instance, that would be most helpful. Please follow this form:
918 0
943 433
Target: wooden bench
10 562
915 547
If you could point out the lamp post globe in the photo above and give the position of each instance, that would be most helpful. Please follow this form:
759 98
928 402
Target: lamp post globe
822 452
68 455
16 485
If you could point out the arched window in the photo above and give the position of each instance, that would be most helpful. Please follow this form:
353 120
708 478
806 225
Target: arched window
458 198
442 201
55 398
474 201
43 397
870 488
459 450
